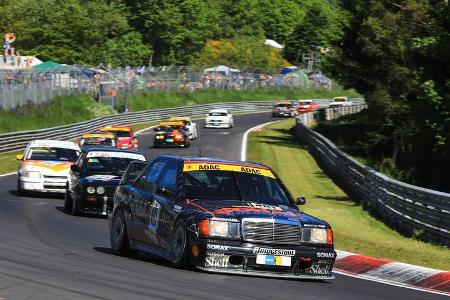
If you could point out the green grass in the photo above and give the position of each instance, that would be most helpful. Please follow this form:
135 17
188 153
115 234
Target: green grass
60 111
8 162
355 230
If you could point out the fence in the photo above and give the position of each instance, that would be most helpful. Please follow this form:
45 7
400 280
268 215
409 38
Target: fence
20 87
412 210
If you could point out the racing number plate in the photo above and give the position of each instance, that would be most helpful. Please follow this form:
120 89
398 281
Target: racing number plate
169 140
272 260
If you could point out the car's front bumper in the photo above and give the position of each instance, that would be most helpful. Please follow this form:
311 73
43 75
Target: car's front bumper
282 114
217 125
302 262
163 143
45 185
95 204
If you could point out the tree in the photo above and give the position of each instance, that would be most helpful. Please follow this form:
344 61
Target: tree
320 26
240 53
74 31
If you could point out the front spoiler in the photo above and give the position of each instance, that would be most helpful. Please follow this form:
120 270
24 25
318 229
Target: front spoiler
266 274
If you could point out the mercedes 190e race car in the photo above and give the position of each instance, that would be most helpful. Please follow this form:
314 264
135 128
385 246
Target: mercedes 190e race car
220 216
171 134
219 118
94 177
45 165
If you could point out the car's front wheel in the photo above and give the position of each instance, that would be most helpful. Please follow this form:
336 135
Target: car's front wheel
67 201
178 247
119 238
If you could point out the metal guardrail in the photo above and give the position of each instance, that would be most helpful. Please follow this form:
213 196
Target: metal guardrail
18 140
412 210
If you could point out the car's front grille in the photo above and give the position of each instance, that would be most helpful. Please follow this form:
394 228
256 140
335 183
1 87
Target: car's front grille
110 190
271 231
55 177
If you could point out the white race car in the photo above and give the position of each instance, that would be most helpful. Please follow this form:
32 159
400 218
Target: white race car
191 126
45 166
219 118
340 102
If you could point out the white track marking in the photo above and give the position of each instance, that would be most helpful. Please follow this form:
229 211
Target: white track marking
8 174
245 137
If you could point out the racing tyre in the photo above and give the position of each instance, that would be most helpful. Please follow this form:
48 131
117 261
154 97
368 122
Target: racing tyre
67 201
75 207
179 245
20 191
120 244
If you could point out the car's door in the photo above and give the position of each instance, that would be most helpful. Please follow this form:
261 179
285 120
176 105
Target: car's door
141 194
160 214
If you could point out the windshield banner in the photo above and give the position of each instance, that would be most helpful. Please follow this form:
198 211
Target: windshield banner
189 167
128 155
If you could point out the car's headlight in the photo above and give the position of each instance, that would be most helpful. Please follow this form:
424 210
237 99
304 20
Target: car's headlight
90 189
100 190
317 236
33 174
219 228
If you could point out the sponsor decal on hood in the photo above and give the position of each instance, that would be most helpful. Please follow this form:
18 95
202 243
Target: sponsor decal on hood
101 177
55 166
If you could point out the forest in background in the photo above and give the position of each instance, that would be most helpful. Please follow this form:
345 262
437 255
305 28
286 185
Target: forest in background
168 32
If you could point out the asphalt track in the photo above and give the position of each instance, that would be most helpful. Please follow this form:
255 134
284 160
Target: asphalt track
47 254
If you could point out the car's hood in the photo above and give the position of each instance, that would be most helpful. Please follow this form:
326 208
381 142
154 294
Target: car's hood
101 179
45 167
239 210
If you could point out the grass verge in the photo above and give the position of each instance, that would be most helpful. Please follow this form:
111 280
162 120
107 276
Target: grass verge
355 230
8 162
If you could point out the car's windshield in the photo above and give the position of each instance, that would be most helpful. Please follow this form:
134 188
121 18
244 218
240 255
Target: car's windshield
105 162
102 141
339 99
230 185
53 154
121 133
304 102
171 128
283 105
217 114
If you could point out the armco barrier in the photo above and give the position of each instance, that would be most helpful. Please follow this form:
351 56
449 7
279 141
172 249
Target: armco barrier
412 210
18 140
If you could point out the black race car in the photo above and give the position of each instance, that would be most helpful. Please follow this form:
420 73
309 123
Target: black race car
94 178
172 133
220 216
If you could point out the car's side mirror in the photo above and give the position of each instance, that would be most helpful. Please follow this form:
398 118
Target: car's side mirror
300 201
19 156
75 168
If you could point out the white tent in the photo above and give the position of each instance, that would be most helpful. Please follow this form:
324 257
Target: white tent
273 43
224 70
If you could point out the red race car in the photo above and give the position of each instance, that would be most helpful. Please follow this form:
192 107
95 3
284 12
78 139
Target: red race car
304 106
125 135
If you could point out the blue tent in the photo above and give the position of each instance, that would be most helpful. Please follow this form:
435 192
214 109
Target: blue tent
287 70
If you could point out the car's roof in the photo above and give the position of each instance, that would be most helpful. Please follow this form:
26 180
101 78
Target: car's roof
219 110
115 127
211 160
54 143
171 123
283 102
104 134
180 119
110 149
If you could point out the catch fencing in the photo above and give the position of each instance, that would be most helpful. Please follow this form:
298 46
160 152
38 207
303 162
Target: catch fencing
19 87
412 210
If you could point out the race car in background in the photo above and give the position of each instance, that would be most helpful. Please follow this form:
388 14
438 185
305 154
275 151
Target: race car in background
283 109
125 136
219 118
340 102
171 134
45 165
304 106
220 216
94 177
191 126
98 139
